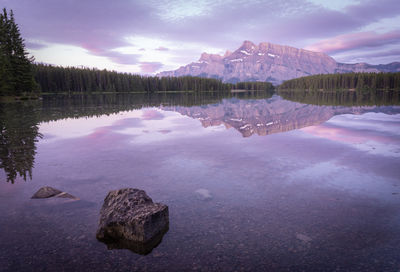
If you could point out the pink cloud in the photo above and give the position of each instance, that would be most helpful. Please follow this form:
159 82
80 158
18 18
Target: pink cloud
224 26
150 67
355 41
345 135
164 131
162 48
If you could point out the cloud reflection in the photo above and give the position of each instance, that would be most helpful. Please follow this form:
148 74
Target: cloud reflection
364 132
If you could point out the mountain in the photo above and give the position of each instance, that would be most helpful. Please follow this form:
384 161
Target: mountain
270 62
268 116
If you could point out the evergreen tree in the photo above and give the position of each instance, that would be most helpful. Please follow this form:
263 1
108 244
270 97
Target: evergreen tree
16 72
348 81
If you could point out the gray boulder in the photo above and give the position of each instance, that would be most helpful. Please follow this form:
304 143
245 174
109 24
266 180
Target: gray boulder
47 192
130 219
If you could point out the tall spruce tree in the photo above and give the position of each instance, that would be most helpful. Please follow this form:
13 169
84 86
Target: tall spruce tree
16 71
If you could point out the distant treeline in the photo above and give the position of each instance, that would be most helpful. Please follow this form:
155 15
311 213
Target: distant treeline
54 79
359 81
254 85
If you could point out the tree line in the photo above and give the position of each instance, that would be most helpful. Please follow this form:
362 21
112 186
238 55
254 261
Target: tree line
343 97
254 86
55 79
359 81
16 75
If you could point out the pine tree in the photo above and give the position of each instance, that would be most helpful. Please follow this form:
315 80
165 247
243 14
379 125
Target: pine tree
16 72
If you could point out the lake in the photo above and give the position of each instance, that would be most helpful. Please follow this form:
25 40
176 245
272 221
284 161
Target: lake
253 181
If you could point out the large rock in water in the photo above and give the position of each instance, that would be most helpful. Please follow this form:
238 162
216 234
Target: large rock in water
130 219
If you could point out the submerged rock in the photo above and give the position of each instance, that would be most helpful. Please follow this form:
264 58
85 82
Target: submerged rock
47 192
130 219
203 194
304 238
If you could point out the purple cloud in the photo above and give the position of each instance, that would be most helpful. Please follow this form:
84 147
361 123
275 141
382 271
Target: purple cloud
102 25
162 48
386 53
34 46
97 26
377 57
150 67
120 58
353 41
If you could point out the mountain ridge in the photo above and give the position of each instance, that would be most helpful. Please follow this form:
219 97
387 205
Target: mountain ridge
270 62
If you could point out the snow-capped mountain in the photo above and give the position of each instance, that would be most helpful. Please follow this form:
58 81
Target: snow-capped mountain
270 62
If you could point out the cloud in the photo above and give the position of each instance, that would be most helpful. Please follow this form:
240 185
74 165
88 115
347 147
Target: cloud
101 26
150 67
116 57
353 41
98 26
386 53
380 56
35 46
162 49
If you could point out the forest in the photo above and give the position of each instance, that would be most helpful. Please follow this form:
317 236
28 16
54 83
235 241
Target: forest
343 97
356 81
54 79
254 85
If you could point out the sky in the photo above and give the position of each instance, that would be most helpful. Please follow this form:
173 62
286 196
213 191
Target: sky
150 36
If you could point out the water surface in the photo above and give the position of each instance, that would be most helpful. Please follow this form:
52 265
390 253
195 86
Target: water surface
252 183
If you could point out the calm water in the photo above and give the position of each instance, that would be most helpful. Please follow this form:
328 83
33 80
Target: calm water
253 183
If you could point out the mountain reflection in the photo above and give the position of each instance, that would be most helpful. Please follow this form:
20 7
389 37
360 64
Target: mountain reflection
249 113
268 116
19 122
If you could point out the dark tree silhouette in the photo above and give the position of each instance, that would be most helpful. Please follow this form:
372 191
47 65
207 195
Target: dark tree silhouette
356 81
16 74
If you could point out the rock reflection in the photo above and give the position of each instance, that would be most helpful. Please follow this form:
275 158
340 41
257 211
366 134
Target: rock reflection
136 247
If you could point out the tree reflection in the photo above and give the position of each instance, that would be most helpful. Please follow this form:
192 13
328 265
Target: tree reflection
19 133
249 113
19 122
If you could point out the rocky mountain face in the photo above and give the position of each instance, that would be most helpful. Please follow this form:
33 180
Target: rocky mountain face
270 62
268 116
